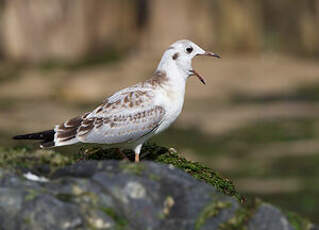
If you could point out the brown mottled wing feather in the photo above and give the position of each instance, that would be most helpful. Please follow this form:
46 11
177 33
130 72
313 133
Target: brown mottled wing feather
66 132
126 116
120 128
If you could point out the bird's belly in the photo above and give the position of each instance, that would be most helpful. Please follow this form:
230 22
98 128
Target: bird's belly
171 115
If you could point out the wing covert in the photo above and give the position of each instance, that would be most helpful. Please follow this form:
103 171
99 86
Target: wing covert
121 127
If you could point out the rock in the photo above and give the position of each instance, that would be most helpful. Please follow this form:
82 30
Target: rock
164 191
269 217
121 195
110 195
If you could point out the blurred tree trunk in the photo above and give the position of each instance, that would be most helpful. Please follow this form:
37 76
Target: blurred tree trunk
291 26
309 28
230 24
179 19
37 30
240 25
1 32
40 30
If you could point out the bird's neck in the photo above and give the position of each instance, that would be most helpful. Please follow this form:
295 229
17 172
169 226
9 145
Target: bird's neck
176 77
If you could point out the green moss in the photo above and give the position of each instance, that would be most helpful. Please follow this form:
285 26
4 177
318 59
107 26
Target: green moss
98 153
83 197
36 160
242 215
65 197
163 155
120 222
25 157
197 170
136 169
32 194
154 177
211 210
238 222
27 221
298 222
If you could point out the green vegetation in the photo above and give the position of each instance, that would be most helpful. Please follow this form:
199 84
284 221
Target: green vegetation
211 210
242 215
46 161
38 160
120 221
133 168
21 158
276 149
298 222
166 156
200 172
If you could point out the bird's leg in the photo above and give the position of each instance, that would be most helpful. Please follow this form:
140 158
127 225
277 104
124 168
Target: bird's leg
137 151
137 157
122 154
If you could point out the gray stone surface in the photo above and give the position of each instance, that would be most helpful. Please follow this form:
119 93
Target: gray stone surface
269 217
120 195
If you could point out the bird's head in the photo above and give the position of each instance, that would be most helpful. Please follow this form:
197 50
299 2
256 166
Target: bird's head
181 53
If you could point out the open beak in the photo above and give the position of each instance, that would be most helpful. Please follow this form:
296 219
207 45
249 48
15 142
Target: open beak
199 76
193 72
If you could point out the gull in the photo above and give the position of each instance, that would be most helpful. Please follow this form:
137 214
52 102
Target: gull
132 115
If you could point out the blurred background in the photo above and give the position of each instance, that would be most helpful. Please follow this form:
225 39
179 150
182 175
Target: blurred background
257 119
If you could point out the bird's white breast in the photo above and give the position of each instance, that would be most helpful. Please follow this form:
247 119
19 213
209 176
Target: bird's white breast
172 100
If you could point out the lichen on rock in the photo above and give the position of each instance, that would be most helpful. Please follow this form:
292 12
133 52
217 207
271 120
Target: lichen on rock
94 191
166 156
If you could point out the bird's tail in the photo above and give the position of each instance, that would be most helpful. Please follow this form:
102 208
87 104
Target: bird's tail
47 138
63 134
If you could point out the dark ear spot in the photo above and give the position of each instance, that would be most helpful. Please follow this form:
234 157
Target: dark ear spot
175 56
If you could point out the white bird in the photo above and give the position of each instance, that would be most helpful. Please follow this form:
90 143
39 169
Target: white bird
132 115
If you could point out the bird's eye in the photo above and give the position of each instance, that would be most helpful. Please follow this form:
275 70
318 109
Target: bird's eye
189 49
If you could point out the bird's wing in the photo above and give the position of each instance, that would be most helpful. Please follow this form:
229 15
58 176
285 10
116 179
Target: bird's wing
124 117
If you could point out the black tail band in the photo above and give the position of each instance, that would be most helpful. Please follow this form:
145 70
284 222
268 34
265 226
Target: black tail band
46 136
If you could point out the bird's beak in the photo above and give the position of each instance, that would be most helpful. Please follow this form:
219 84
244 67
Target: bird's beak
205 53
193 72
210 54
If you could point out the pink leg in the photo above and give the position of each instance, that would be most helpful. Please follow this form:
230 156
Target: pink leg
137 158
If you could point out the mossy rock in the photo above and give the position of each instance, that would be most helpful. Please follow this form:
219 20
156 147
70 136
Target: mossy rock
164 155
46 162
